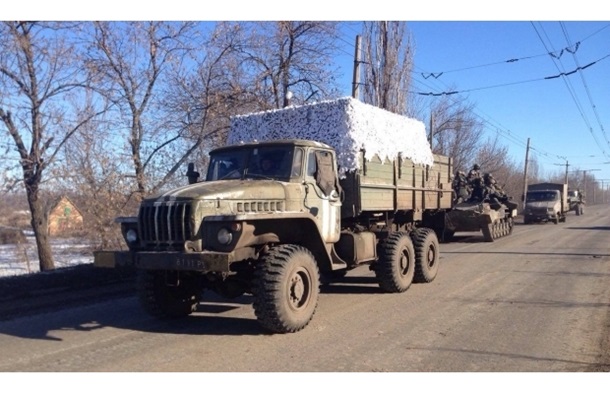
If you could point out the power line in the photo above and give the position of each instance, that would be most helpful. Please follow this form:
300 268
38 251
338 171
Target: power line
572 91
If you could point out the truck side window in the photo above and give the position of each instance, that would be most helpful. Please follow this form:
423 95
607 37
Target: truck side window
324 170
311 164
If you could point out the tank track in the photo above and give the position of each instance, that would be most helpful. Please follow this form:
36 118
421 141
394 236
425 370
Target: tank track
498 229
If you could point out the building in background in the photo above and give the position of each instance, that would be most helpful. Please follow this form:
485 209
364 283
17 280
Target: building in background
64 218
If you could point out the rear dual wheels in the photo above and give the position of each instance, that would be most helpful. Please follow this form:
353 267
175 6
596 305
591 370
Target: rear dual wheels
426 245
395 269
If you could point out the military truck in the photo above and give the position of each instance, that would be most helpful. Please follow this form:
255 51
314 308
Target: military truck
576 200
546 202
273 216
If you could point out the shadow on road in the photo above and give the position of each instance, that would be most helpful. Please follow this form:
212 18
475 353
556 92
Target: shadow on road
125 313
596 228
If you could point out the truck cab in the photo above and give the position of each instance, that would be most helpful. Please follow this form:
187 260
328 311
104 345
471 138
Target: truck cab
576 201
542 205
264 212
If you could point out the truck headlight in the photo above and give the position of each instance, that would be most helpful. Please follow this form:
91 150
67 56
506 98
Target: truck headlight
224 236
131 236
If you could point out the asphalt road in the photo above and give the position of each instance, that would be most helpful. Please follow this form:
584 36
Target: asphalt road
537 300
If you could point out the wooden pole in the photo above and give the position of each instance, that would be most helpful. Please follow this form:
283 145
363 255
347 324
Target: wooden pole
356 78
527 152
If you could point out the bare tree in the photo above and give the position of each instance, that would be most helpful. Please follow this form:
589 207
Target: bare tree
201 96
132 58
388 53
39 70
290 56
456 132
91 172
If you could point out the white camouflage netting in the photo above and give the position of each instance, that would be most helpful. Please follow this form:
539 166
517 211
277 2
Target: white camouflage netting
346 124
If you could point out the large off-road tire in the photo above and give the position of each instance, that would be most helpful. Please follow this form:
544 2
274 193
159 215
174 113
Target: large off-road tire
427 254
165 294
286 288
395 268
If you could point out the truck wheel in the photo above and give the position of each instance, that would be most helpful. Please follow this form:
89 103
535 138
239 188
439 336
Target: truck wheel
426 248
396 266
286 288
165 294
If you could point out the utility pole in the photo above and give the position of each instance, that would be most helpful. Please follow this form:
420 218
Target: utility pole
567 165
527 152
431 128
357 61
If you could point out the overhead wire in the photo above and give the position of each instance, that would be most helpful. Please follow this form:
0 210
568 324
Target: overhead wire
586 87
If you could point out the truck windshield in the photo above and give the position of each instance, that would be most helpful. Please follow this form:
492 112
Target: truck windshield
265 162
542 196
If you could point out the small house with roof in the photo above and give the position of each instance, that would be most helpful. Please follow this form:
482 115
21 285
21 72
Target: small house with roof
64 217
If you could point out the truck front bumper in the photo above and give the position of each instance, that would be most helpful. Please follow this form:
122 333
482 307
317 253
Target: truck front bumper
548 216
206 261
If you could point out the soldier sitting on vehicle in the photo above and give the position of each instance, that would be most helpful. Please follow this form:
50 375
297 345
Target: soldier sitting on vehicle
479 192
461 187
492 190
474 174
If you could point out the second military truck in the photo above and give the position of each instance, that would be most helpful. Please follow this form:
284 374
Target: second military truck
546 202
325 188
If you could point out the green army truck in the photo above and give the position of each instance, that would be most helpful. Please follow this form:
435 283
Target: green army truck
576 201
275 230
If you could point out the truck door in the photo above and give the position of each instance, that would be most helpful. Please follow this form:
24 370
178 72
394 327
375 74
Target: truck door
323 193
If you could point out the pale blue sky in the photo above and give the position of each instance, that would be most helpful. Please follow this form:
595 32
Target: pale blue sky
520 77
564 117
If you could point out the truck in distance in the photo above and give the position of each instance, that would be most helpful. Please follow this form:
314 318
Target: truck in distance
546 202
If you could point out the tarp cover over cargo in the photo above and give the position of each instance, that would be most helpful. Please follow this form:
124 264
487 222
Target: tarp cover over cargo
346 124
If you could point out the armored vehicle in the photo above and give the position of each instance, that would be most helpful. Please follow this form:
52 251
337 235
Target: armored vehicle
484 209
493 219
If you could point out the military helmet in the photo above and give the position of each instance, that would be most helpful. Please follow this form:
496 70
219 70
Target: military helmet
476 167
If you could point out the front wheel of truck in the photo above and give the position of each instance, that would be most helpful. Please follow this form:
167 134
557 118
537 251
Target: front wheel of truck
168 294
286 288
396 266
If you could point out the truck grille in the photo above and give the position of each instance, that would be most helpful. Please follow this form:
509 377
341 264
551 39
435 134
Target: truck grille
166 223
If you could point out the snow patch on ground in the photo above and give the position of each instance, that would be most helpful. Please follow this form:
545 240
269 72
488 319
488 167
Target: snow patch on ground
18 259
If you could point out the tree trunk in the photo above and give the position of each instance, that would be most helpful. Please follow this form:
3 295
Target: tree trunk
39 226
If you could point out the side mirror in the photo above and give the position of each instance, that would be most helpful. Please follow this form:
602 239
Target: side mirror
192 174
